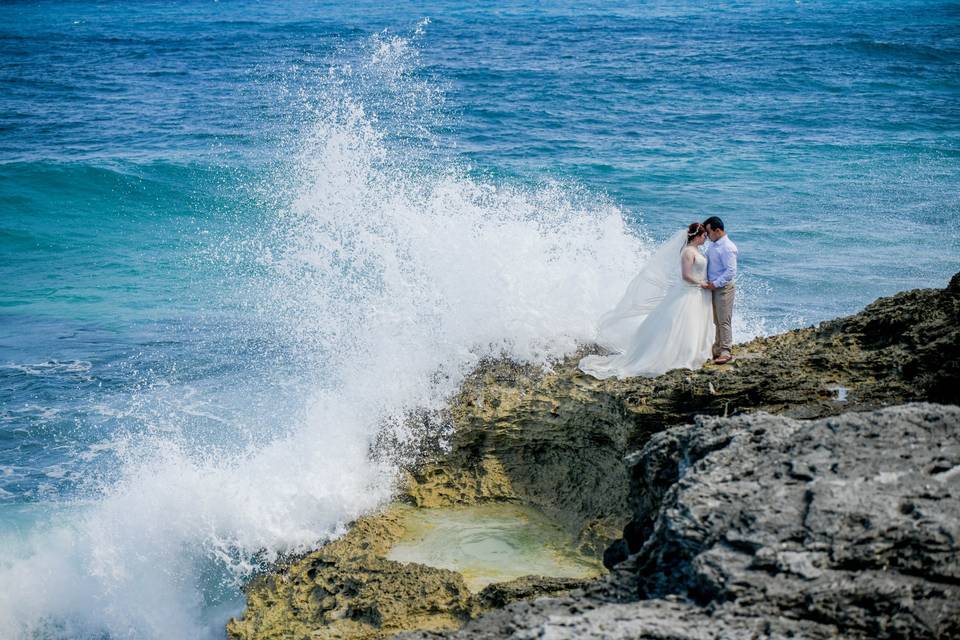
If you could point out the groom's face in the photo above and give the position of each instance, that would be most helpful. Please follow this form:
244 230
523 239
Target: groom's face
712 233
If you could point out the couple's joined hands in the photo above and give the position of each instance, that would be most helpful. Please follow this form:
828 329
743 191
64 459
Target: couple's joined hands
708 285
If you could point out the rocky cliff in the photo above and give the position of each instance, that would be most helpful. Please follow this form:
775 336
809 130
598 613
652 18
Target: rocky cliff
762 526
557 440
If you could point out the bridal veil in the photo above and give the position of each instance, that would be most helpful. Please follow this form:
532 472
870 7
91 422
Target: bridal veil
645 292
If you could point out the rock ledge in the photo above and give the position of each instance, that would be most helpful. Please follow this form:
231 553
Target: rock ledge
763 526
556 440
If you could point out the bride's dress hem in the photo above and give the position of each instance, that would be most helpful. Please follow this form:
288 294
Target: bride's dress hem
618 376
677 334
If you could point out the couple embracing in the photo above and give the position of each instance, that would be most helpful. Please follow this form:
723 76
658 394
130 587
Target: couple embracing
677 312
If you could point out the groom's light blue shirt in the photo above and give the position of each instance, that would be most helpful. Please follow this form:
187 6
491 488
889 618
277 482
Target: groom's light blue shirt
722 262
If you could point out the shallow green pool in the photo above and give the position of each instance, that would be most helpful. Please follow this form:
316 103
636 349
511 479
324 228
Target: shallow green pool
491 543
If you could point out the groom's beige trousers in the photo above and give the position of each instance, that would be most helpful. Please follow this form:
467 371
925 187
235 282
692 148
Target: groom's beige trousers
723 319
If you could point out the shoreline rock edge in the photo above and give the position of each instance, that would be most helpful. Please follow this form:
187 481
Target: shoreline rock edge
761 526
556 440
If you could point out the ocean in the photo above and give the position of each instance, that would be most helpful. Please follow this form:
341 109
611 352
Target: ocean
237 239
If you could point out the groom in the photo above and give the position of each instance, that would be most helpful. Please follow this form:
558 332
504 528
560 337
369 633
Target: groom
721 277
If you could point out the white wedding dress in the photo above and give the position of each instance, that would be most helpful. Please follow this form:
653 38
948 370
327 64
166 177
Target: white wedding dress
663 322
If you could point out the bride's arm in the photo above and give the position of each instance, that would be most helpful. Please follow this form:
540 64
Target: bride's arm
686 266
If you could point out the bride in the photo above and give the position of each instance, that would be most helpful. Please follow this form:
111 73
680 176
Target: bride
664 320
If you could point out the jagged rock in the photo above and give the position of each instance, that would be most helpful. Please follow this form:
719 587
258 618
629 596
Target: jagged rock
500 594
763 526
349 590
556 440
572 618
854 521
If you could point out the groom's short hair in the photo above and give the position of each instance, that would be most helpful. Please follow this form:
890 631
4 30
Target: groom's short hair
714 223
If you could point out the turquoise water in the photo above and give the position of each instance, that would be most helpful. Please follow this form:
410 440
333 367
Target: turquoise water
238 238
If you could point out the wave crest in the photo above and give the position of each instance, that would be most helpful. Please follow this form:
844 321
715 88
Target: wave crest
393 270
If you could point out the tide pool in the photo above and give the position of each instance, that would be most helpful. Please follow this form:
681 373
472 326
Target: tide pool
490 543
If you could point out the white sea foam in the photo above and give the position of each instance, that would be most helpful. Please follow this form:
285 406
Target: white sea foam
49 368
400 277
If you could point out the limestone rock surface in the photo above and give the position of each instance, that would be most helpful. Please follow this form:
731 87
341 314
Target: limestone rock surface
349 590
766 527
557 440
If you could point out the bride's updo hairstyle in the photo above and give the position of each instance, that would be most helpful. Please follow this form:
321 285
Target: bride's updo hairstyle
695 230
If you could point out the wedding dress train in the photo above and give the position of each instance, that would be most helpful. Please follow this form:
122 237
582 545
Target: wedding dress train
664 321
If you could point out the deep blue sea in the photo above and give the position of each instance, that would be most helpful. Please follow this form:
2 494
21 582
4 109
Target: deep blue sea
239 238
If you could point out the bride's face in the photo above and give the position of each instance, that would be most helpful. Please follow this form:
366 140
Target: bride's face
699 240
